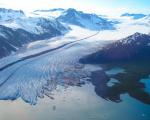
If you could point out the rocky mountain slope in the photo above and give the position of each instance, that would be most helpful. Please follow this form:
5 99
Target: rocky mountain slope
17 29
135 47
86 20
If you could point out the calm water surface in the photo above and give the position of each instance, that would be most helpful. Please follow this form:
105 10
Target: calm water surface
75 103
121 93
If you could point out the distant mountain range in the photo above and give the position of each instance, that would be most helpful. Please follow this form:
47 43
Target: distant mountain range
140 19
133 15
9 14
135 47
17 29
37 25
85 20
79 18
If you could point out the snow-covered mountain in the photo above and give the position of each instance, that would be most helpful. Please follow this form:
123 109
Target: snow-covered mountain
11 40
36 25
17 29
43 24
73 17
135 47
133 15
85 20
9 14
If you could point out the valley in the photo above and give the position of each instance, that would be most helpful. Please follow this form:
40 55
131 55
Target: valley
67 64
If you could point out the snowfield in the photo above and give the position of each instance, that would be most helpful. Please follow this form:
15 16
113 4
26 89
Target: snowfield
38 76
35 25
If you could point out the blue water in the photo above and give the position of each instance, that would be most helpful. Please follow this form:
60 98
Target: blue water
147 84
81 103
75 103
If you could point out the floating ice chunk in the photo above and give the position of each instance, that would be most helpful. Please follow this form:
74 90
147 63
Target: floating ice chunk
112 82
115 71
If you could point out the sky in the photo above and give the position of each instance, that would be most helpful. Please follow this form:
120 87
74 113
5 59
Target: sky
104 7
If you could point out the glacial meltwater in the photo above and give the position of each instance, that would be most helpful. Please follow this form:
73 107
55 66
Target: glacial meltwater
116 99
75 103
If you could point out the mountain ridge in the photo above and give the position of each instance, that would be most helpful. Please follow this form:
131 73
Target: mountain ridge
134 15
17 29
86 20
132 48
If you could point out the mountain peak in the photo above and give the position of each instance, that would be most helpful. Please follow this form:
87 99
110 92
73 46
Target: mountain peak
4 10
85 20
71 10
136 38
137 34
133 48
9 14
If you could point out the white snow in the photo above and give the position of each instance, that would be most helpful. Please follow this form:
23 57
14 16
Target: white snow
36 77
115 71
88 21
30 24
3 35
26 79
125 29
8 14
36 24
112 82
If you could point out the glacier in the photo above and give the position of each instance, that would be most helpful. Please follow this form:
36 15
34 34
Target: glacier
37 77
